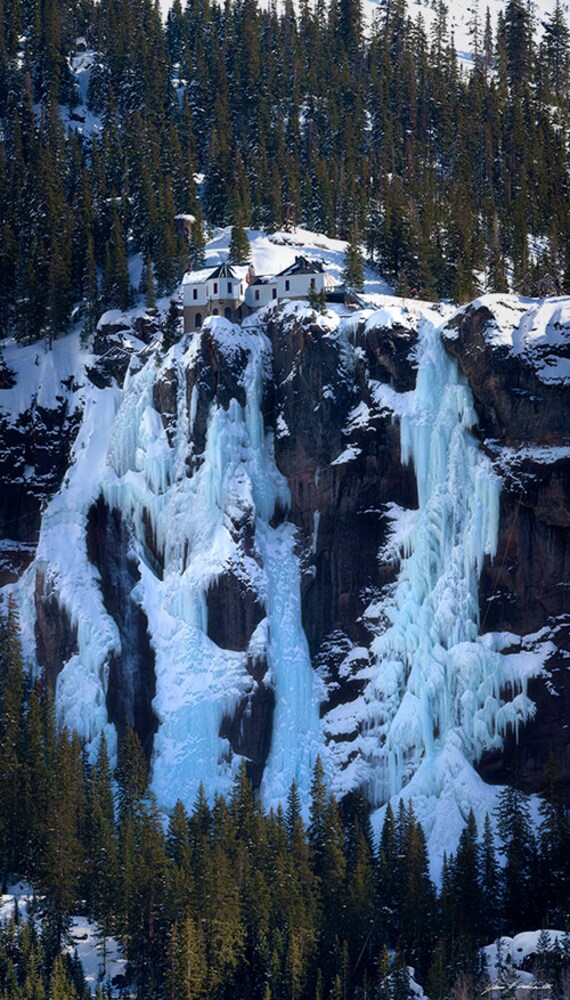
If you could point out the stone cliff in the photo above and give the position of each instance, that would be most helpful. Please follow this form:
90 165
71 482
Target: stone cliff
291 434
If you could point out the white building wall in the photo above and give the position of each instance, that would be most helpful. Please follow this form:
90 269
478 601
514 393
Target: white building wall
201 299
265 295
299 285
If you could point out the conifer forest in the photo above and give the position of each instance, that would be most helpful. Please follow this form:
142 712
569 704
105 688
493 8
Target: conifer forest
442 174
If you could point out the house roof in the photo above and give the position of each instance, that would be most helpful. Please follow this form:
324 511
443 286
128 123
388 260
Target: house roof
224 270
302 265
263 279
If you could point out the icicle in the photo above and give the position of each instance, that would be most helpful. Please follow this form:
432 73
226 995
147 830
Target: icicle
431 669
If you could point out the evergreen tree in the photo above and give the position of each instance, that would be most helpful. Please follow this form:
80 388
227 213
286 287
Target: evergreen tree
518 849
353 271
12 831
240 249
102 844
132 774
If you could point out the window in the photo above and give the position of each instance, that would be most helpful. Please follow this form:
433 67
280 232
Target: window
215 312
198 320
230 287
215 287
194 293
312 284
287 284
228 313
257 294
274 293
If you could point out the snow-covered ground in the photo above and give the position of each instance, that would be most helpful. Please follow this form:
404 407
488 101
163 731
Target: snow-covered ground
536 330
508 955
102 958
20 899
272 253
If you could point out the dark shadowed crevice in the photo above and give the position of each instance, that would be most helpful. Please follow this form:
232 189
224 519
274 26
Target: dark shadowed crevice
249 729
55 634
234 612
132 680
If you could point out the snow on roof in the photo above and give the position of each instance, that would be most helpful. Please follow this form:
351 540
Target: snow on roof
237 272
263 279
197 277
302 265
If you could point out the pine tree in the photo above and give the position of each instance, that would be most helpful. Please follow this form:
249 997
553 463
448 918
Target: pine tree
172 325
554 844
102 844
148 285
11 714
63 853
132 774
187 971
318 816
467 885
353 271
557 43
518 849
489 882
240 249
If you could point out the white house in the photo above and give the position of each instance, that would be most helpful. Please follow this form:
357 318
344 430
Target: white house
218 292
301 278
260 292
235 291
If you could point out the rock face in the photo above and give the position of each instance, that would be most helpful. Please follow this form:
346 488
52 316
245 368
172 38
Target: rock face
35 451
341 470
523 405
55 635
249 485
131 685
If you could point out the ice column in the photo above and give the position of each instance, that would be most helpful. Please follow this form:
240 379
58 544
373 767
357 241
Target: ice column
434 677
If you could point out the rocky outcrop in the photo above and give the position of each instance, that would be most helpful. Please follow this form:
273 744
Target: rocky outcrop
35 450
131 686
341 472
523 414
248 730
514 400
234 612
55 634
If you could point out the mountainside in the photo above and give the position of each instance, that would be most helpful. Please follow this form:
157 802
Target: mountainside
339 534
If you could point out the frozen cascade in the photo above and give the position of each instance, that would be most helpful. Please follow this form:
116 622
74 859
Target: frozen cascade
436 697
62 560
197 683
193 507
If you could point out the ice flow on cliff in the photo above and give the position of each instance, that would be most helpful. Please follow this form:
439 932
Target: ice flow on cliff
434 693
